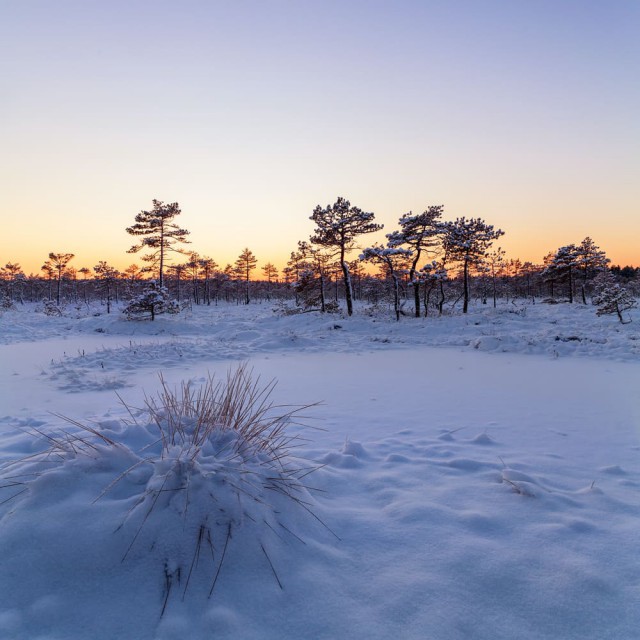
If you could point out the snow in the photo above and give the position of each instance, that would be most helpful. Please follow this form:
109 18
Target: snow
477 477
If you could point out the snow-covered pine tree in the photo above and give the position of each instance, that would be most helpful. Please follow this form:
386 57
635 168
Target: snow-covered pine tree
419 232
590 260
433 275
312 267
337 226
161 234
153 300
468 242
394 260
611 297
562 267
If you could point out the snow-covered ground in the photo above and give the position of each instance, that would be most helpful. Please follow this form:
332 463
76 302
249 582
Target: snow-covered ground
478 477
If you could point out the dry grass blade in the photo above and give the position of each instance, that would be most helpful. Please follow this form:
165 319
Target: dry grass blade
86 428
15 495
266 555
203 531
224 553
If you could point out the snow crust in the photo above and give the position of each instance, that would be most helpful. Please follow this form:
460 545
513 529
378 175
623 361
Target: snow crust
478 478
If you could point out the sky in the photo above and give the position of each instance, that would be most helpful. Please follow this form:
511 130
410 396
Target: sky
251 113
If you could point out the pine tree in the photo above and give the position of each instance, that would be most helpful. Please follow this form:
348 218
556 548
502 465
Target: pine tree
312 267
160 234
394 260
153 300
270 273
610 297
495 263
107 277
57 264
245 264
337 226
13 275
433 275
468 242
207 269
562 267
590 260
419 232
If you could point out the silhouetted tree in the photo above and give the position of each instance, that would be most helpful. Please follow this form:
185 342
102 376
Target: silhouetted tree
58 263
245 264
270 273
176 271
13 275
627 272
207 269
161 234
495 262
107 278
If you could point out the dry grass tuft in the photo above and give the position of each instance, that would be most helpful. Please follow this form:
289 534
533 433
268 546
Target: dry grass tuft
189 417
217 466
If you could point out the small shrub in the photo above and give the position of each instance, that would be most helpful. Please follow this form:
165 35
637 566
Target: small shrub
153 300
50 308
610 297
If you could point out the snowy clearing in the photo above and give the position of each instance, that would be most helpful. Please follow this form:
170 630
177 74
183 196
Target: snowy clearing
478 477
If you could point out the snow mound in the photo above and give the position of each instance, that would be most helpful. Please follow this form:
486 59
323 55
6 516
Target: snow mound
198 477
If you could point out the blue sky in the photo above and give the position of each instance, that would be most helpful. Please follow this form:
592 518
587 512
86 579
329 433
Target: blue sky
251 113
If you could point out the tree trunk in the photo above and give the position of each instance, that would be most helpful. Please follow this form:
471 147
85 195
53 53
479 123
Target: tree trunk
347 283
396 296
322 301
465 277
427 296
570 286
495 301
161 255
441 301
58 290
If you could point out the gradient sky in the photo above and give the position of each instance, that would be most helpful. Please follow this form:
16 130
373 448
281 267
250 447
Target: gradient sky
250 113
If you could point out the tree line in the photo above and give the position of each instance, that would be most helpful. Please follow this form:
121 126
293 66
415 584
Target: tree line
425 264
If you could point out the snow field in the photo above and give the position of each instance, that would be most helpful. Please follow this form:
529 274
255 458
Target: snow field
475 495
